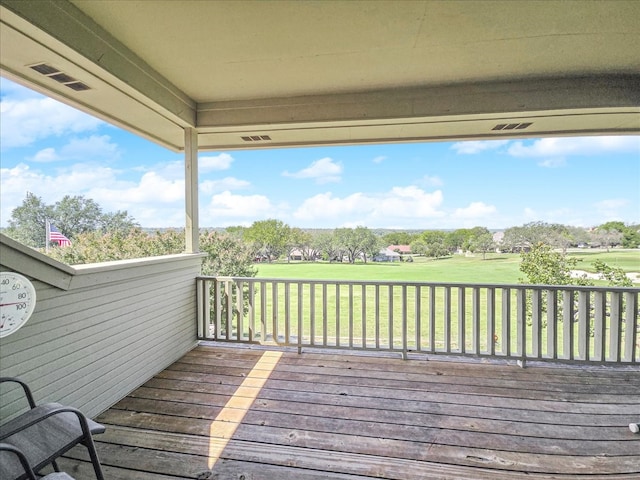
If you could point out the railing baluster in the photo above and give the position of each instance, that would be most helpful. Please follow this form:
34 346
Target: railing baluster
337 314
521 319
252 312
506 321
229 320
432 318
363 311
390 316
475 305
536 321
275 311
325 308
615 331
567 324
552 324
447 319
351 315
287 312
404 322
583 324
418 317
630 326
491 321
462 314
218 302
312 312
377 315
263 312
300 317
599 326
240 310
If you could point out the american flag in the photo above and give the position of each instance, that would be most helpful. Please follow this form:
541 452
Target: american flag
56 236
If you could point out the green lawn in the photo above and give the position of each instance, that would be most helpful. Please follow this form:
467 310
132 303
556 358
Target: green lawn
497 268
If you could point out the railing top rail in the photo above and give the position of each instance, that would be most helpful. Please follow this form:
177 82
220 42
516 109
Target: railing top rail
576 288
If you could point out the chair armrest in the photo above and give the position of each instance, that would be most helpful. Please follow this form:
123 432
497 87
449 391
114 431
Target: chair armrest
21 423
23 460
25 388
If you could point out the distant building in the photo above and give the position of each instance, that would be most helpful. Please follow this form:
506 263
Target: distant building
401 249
387 255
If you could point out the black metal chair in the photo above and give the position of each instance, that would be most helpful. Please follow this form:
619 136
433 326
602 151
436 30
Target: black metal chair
45 432
15 455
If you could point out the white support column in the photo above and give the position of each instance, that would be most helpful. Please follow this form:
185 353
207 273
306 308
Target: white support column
191 190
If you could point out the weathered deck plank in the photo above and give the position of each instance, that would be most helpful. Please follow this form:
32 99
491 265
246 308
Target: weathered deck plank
353 417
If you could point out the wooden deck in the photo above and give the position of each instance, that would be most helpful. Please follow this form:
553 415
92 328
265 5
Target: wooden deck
254 413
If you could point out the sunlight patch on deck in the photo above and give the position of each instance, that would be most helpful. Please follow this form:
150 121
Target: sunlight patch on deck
231 416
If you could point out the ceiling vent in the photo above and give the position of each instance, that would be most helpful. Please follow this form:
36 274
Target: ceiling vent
60 77
256 138
512 126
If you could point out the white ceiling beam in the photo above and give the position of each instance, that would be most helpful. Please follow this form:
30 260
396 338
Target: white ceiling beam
613 93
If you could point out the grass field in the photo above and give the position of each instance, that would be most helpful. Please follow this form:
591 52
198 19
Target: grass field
497 268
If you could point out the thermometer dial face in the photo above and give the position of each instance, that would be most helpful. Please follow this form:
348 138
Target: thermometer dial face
17 302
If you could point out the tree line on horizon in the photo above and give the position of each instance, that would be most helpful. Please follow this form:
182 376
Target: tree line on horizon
98 236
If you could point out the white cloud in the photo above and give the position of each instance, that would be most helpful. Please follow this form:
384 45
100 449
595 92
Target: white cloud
228 183
27 120
379 159
554 162
46 155
611 209
569 146
217 162
475 210
95 147
397 205
475 146
227 208
429 181
75 180
324 170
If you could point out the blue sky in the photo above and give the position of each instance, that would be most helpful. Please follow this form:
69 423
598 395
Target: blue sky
53 150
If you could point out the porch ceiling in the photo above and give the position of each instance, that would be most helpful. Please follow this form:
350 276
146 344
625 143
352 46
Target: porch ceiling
292 73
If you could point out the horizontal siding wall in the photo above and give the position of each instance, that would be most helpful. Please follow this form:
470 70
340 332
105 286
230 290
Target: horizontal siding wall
113 329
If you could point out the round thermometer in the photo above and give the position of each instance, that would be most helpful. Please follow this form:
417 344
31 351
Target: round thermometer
17 301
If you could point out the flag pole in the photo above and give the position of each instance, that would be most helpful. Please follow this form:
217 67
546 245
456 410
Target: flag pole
47 235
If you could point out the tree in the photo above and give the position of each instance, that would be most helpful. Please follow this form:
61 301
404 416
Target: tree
71 215
434 243
544 266
75 215
28 221
269 237
482 243
357 241
398 238
327 245
631 237
227 255
607 238
296 240
119 221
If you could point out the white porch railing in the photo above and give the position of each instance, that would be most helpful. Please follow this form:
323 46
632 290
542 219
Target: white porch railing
523 322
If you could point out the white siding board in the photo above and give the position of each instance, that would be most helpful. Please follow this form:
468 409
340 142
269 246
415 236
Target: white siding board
113 328
74 328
